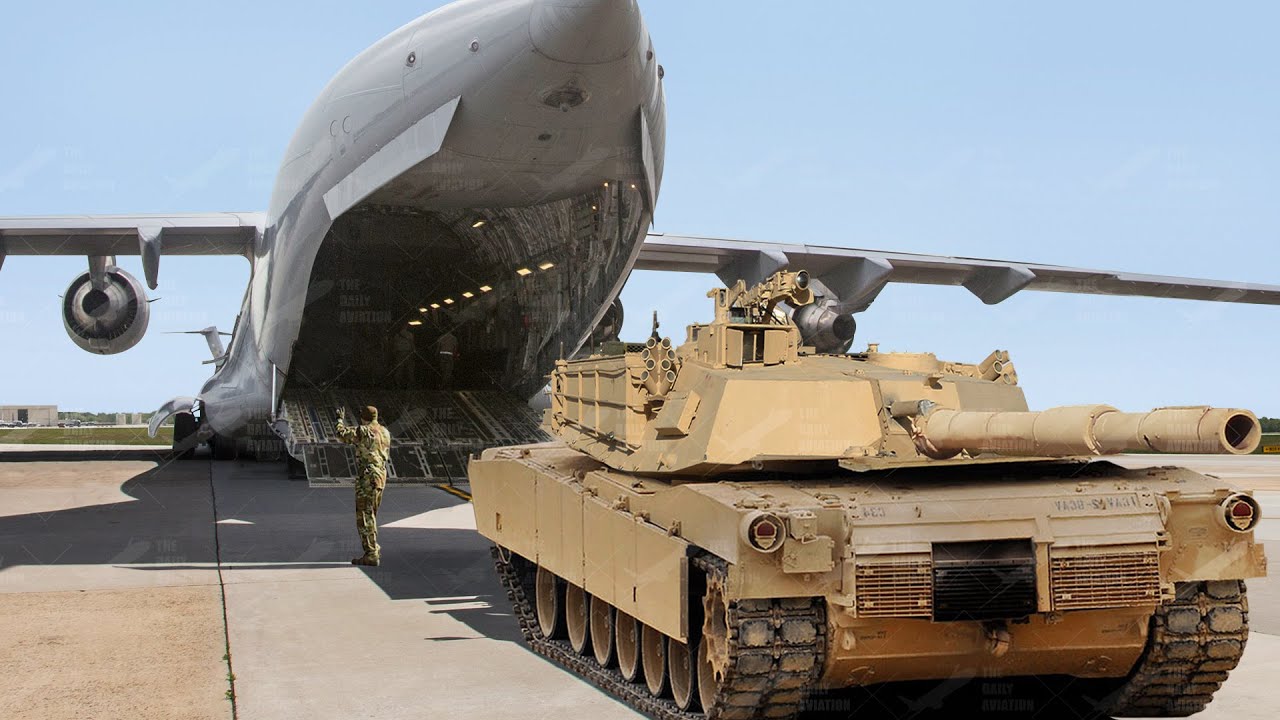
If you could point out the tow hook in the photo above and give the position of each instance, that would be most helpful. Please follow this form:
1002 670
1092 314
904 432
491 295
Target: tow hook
998 639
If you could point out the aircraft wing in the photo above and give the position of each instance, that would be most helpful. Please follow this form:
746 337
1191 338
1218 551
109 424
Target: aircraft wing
856 276
147 235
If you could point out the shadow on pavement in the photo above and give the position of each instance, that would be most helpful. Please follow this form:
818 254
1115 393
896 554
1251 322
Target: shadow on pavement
280 525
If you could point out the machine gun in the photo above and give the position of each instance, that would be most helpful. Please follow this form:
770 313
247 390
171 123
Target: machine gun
756 304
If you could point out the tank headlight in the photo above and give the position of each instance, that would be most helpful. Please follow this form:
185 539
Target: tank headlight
1240 513
763 531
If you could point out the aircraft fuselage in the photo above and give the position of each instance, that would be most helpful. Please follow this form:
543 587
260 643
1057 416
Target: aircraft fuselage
494 163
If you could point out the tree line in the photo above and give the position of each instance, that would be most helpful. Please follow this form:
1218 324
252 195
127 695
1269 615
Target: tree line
1270 425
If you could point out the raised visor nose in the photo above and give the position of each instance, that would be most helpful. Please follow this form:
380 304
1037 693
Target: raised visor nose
585 32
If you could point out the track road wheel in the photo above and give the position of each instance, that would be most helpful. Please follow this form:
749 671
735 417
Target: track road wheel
549 599
653 655
712 660
601 626
682 667
1194 642
708 686
576 619
626 632
758 658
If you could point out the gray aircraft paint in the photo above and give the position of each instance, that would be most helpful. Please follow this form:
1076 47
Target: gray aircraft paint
443 88
445 115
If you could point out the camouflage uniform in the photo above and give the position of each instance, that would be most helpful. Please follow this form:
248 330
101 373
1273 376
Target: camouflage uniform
373 451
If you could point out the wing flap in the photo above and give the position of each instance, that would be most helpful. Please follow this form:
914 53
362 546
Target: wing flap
181 234
857 275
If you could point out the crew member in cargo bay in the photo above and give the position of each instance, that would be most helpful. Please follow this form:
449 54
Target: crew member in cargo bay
373 451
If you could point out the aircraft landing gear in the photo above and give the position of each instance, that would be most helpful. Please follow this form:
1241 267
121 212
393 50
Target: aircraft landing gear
224 448
184 430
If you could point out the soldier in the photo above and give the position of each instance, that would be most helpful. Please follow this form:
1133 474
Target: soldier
405 348
448 352
373 451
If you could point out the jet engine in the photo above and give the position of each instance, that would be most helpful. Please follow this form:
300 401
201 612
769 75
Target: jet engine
825 329
105 310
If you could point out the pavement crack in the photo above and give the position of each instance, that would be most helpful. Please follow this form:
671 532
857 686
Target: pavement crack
222 590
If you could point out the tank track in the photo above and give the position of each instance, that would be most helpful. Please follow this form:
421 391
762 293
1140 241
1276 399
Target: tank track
1195 641
777 651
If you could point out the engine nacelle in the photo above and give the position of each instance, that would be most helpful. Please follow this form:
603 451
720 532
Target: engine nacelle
823 328
108 318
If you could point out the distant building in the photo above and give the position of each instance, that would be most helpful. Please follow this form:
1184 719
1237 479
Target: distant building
34 414
135 419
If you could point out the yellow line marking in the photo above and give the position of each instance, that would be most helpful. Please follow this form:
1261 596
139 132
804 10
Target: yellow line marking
455 492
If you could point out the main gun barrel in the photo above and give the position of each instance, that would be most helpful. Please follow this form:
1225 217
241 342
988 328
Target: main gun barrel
1087 430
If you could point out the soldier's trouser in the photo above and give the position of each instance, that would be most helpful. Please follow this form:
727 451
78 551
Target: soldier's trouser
446 369
368 498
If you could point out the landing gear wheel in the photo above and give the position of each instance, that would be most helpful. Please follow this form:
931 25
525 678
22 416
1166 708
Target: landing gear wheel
224 448
653 655
683 670
576 619
184 430
549 598
626 632
601 623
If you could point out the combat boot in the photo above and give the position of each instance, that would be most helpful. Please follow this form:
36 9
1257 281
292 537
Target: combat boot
366 560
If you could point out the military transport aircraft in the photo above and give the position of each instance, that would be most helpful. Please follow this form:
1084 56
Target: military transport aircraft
489 170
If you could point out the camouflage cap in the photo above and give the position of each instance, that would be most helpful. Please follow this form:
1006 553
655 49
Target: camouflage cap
368 413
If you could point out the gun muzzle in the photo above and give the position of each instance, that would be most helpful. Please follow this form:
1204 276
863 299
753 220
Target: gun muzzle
1087 430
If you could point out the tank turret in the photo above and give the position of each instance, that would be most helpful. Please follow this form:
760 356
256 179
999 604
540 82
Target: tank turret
742 393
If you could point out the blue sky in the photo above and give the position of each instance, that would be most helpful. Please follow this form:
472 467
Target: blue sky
1132 136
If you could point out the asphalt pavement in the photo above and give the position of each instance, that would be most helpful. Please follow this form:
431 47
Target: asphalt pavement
131 588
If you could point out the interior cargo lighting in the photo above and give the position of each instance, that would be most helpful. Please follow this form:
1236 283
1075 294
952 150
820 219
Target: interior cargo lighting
415 323
435 306
485 288
524 271
546 266
448 301
468 295
478 224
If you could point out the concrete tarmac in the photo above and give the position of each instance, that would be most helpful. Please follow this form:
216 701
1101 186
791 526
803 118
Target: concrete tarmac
124 584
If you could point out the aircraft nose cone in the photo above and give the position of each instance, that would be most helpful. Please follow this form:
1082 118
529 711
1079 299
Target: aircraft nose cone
585 32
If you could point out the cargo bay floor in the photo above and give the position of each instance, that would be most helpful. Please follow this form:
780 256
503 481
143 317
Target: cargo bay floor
124 583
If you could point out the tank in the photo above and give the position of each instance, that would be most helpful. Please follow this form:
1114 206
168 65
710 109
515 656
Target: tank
721 529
